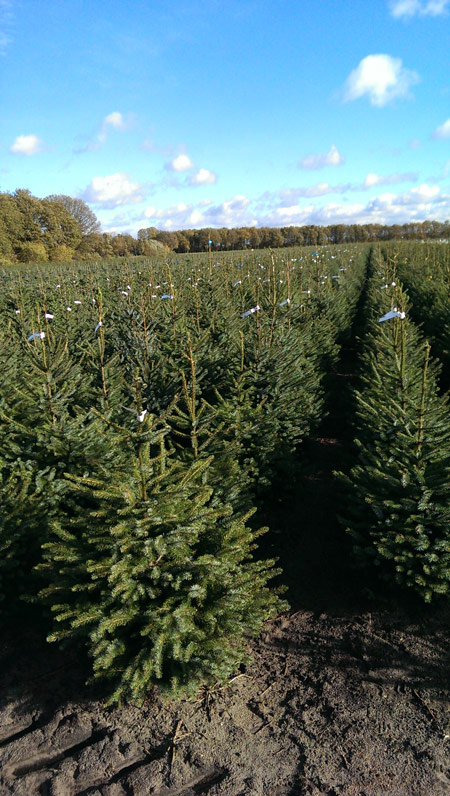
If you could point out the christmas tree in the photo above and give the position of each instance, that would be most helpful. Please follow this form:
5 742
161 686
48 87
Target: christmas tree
397 494
155 576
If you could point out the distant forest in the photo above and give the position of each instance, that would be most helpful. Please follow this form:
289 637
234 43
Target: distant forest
62 228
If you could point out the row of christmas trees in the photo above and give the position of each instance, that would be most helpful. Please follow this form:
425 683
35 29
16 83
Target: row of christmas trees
397 495
134 450
425 273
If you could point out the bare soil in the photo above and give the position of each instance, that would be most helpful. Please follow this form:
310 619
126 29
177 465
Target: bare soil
354 704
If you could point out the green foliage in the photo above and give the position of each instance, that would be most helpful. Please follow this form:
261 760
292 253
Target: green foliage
62 254
157 580
44 432
37 230
144 415
427 280
397 494
31 252
79 211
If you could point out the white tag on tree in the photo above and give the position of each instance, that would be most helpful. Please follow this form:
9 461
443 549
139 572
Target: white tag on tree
392 314
250 312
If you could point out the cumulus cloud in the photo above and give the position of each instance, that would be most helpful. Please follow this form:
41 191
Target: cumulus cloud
331 158
380 77
231 213
389 179
113 120
371 179
203 177
411 8
181 163
421 202
114 190
178 216
443 131
227 213
287 196
27 145
319 189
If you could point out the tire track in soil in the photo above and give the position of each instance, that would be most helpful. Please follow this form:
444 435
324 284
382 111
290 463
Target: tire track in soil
158 753
35 724
38 762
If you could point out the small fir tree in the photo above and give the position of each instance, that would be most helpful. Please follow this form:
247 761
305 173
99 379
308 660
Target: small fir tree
154 575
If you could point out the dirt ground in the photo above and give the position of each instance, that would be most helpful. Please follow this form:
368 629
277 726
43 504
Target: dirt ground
332 704
346 695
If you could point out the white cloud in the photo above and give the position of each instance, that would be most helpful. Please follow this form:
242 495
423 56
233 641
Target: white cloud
420 203
27 145
203 177
114 120
424 192
320 189
389 179
404 8
382 78
443 131
371 179
411 8
114 190
435 8
153 212
288 196
331 158
231 213
181 163
227 213
178 216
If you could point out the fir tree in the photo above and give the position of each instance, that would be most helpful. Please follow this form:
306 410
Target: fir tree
44 432
398 493
156 577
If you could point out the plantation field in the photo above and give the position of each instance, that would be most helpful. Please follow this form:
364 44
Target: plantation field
225 493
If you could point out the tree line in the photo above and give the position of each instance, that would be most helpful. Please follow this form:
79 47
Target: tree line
62 228
224 239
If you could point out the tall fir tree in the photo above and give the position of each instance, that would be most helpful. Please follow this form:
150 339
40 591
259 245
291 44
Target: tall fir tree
397 494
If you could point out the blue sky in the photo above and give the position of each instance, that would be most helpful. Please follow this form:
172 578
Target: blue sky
181 114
